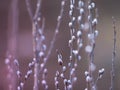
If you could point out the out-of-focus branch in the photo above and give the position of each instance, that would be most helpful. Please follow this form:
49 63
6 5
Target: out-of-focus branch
12 27
11 44
29 9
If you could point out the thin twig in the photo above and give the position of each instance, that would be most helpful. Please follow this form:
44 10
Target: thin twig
55 34
113 56
29 9
38 8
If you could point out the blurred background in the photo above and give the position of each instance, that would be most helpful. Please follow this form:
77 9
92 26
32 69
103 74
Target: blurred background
50 10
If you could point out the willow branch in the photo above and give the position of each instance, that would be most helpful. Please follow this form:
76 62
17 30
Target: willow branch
59 19
113 57
29 9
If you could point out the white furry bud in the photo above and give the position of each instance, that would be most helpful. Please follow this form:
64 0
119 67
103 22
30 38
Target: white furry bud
88 49
81 11
79 33
88 79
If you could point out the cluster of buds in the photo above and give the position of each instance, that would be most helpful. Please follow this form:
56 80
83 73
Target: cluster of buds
44 82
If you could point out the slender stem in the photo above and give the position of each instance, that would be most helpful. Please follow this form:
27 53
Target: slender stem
113 57
55 34
38 8
36 77
29 9
36 58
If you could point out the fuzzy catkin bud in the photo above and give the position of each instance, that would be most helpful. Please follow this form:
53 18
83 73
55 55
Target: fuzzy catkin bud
69 87
22 84
93 5
7 61
70 24
59 18
45 71
75 65
79 18
62 75
69 81
62 3
29 72
73 19
42 65
18 73
71 6
88 49
96 33
46 87
91 36
101 72
92 67
44 82
70 13
75 52
56 83
44 47
18 88
89 17
86 73
82 26
39 18
73 38
88 79
86 26
41 54
79 57
79 33
81 11
86 88
16 62
80 45
42 37
57 73
89 7
65 82
70 43
80 3
31 64
74 79
64 68
95 21
69 64
60 62
72 71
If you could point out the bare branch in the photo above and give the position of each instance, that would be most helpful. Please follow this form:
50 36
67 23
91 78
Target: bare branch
29 9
